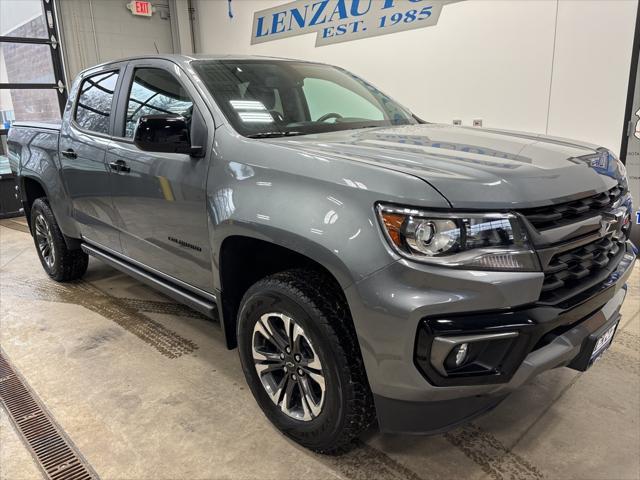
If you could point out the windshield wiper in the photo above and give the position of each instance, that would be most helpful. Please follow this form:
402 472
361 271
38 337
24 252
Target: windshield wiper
274 134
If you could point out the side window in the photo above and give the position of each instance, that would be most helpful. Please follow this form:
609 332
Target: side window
93 109
155 92
327 97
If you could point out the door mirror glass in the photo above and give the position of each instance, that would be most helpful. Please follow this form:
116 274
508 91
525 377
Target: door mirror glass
164 134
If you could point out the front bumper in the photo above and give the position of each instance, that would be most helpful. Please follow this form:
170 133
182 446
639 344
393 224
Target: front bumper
393 306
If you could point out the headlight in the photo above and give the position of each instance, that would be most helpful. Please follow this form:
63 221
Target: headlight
607 163
478 241
622 174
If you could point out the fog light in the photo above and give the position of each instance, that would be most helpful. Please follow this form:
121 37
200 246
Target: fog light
470 354
461 353
459 356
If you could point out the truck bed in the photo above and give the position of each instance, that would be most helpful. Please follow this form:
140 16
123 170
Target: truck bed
40 125
33 140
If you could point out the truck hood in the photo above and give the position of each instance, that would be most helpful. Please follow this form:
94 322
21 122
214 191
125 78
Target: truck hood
475 168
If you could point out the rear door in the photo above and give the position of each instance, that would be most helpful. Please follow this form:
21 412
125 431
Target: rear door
161 197
84 138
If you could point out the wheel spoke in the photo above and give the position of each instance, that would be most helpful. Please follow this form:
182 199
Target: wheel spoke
262 356
306 409
40 226
277 332
297 336
266 331
264 368
316 377
308 401
312 364
286 321
44 240
286 398
276 393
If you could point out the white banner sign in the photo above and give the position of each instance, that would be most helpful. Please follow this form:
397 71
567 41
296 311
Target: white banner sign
336 21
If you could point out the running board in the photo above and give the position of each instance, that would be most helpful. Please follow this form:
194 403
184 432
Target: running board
199 304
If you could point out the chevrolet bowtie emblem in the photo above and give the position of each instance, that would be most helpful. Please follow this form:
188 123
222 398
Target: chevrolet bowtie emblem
607 225
613 221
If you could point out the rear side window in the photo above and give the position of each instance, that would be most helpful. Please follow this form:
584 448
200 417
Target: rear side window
155 92
95 100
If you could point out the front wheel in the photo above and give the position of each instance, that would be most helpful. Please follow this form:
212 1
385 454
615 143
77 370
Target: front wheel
301 359
60 263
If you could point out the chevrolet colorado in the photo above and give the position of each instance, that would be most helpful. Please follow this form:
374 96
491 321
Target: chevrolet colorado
369 266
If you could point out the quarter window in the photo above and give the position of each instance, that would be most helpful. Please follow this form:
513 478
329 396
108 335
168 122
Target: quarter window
95 100
155 92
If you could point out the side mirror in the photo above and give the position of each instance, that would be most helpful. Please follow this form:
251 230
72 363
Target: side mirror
165 134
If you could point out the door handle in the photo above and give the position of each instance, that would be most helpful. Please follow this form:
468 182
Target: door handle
120 166
70 153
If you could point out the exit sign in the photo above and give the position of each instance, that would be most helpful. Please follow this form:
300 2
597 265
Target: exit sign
138 7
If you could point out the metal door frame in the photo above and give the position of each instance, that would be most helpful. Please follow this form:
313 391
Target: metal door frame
628 127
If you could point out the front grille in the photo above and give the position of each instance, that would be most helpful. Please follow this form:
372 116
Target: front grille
578 269
543 218
573 260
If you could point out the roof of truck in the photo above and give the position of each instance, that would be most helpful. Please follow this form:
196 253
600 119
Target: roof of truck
186 59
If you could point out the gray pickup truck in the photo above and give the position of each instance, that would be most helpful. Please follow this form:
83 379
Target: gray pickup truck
369 266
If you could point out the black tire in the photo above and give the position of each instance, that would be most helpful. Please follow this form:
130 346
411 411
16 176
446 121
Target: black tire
317 305
64 264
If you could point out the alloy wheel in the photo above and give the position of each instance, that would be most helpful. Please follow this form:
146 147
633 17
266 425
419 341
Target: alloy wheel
288 366
44 240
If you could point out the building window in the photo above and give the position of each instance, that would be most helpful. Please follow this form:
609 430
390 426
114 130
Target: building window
32 84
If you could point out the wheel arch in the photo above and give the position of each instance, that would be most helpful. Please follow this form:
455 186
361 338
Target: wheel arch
245 259
31 188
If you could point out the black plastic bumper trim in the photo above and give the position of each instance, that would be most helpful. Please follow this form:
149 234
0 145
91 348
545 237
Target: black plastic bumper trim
534 325
430 418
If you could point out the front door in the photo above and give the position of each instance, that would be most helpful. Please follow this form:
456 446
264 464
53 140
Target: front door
83 146
161 197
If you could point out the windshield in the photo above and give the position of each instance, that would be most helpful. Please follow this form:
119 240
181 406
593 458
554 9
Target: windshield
263 98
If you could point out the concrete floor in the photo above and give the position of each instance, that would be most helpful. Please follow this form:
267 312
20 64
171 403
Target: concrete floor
146 390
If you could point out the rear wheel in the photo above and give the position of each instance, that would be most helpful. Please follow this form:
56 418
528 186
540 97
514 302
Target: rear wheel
301 359
60 263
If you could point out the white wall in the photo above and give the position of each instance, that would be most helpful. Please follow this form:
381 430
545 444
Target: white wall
14 13
591 70
488 59
103 30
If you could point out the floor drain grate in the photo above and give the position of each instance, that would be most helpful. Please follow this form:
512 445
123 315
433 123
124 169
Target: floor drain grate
54 453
